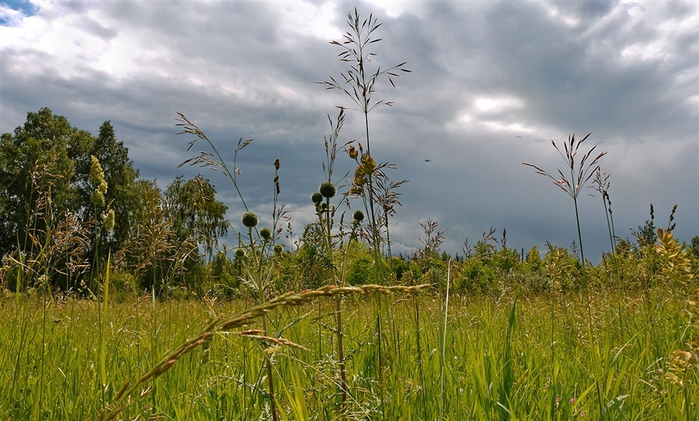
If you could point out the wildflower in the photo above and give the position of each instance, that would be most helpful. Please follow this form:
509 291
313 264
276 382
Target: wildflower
317 198
266 234
240 253
278 248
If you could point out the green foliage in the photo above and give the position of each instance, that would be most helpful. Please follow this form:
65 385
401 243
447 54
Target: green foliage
121 178
194 212
39 158
360 269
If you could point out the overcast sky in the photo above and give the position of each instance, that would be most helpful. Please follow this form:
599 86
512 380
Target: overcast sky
492 84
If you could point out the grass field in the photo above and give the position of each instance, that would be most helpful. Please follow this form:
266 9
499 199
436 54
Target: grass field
573 356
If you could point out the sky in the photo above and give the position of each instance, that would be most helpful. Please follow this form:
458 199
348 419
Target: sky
492 84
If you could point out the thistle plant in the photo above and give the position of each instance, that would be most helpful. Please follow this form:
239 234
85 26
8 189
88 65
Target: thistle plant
257 280
257 250
359 82
325 211
579 175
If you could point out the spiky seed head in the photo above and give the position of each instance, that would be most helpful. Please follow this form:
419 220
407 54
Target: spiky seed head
328 189
266 233
317 197
352 152
249 219
358 216
278 248
240 252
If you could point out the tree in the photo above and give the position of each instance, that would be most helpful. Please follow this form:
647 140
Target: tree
38 158
191 207
120 176
45 178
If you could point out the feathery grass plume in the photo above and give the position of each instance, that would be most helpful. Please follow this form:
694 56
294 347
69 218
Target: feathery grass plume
387 197
580 173
358 83
206 159
220 325
433 239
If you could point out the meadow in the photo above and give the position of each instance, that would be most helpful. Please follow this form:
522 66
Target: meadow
593 355
116 301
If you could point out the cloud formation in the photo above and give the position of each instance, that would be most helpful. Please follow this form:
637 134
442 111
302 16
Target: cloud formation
492 84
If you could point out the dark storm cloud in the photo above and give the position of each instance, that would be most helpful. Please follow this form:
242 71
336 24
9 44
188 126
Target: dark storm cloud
492 83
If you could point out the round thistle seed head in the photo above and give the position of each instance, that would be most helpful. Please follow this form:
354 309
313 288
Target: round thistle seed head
278 248
249 219
266 234
328 189
358 216
317 198
240 253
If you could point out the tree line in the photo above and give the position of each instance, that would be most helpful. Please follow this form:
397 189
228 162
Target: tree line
59 187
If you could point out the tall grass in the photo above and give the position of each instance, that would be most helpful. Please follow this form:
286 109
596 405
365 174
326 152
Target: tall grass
492 367
577 177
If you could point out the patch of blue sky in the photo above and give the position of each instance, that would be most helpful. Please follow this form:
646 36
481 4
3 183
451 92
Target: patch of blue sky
13 11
